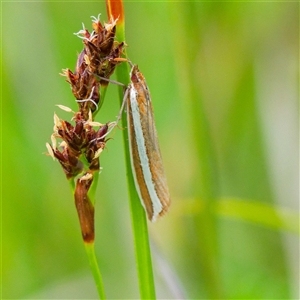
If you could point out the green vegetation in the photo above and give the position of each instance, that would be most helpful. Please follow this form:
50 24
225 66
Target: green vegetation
223 80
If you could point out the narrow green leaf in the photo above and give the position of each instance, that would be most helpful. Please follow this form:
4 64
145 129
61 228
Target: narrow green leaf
138 216
268 215
263 214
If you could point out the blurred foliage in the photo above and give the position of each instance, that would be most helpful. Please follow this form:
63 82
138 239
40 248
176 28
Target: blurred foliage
227 70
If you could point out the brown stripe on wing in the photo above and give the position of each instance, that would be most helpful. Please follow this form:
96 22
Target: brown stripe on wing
152 146
136 164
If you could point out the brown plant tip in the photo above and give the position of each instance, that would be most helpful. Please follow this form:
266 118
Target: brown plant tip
115 10
71 165
97 58
96 145
85 208
80 139
83 139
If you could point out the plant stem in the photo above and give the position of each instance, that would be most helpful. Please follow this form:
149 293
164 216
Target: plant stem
90 250
90 246
139 222
138 216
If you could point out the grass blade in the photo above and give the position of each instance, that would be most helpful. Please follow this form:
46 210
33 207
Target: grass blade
138 217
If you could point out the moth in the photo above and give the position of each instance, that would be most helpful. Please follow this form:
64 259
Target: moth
146 160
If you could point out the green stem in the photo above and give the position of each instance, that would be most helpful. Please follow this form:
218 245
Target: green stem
93 188
90 246
90 250
138 216
138 220
72 185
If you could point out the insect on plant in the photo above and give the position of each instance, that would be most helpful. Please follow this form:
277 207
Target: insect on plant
146 160
83 143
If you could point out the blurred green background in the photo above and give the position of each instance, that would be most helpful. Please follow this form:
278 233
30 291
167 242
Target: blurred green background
224 85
